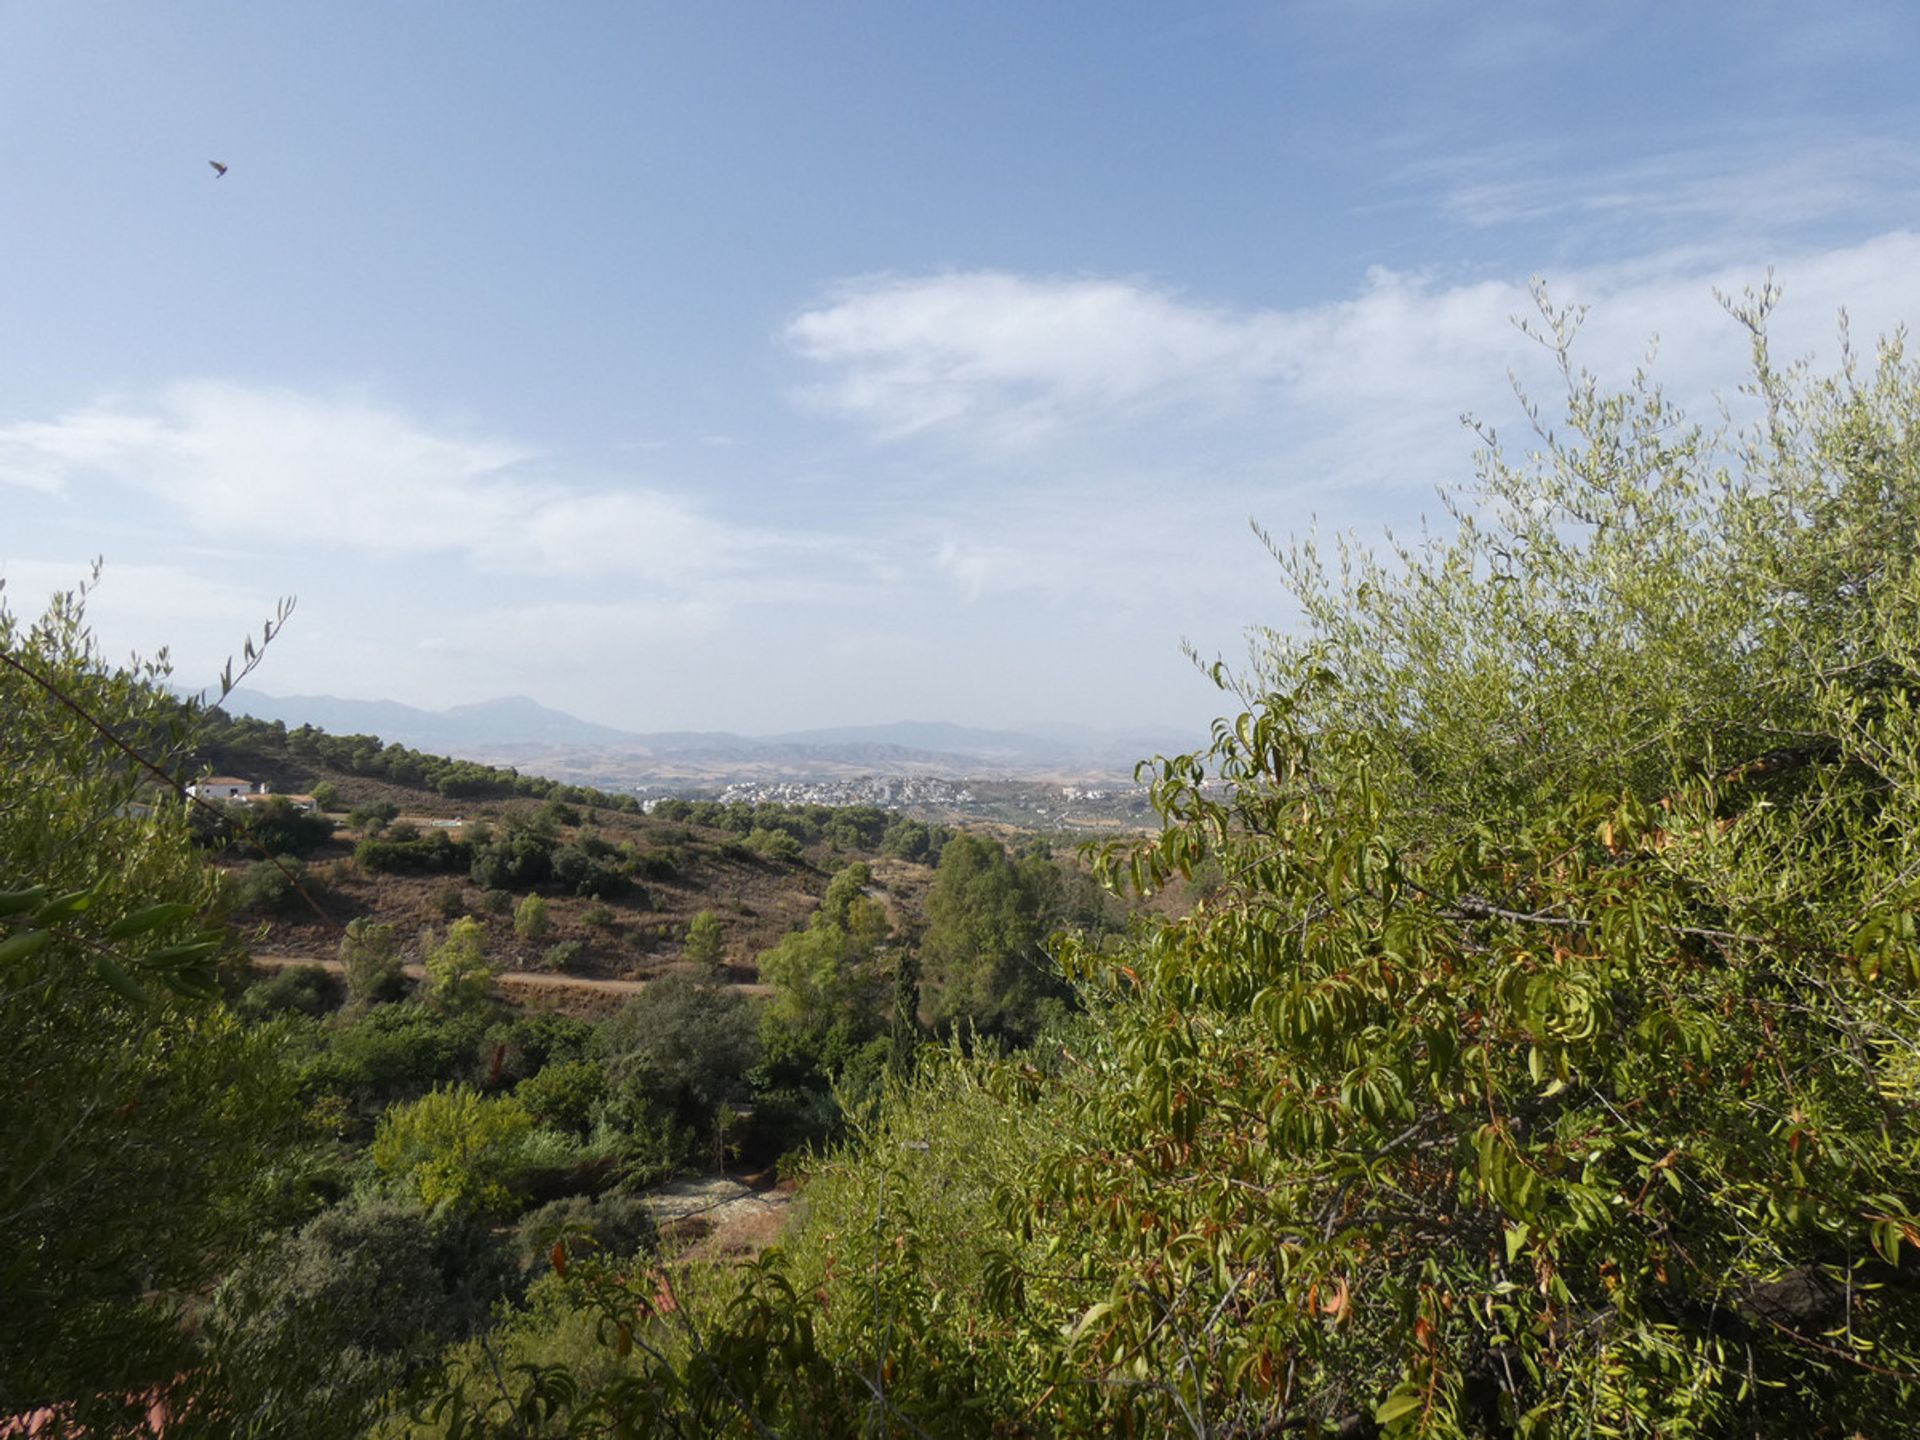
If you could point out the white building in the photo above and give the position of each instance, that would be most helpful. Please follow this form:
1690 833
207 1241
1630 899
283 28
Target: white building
220 787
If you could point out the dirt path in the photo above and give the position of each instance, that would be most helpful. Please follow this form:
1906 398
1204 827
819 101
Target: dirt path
714 1216
529 980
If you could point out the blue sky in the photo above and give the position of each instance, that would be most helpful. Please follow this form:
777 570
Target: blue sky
759 366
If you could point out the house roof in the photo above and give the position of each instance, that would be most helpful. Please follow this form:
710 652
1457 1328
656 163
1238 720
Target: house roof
223 780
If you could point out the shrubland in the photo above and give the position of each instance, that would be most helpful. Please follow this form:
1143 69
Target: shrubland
272 1199
1538 1062
1531 1056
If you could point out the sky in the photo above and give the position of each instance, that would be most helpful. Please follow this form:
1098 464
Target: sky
759 366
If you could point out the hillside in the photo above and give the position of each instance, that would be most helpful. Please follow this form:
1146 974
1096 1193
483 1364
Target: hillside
759 869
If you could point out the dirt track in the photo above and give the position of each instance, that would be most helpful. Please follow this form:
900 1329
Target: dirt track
526 980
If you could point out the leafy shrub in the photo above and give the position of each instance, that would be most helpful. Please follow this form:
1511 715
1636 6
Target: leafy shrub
458 975
563 955
454 1147
373 817
305 989
704 945
618 1225
518 860
983 954
450 901
497 902
601 917
530 919
565 1096
434 852
307 1335
396 1051
273 887
583 873
775 845
538 1038
371 955
278 828
683 1045
662 863
326 796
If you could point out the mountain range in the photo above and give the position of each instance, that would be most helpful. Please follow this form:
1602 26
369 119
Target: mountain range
520 731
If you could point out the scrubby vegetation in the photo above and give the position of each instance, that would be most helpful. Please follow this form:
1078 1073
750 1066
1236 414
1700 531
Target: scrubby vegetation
324 1153
1532 1054
1538 1063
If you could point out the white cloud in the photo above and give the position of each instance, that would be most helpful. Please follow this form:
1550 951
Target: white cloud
1348 392
1019 354
281 467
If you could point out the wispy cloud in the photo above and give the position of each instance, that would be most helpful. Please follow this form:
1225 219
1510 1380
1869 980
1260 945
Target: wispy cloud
1763 187
1008 361
1019 354
273 465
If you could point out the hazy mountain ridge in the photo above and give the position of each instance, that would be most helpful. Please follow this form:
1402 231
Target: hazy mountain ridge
520 731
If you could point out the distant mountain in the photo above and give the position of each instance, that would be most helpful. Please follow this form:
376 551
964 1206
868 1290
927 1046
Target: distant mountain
517 730
513 720
929 735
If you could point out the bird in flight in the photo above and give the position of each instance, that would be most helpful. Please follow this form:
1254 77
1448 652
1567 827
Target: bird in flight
218 168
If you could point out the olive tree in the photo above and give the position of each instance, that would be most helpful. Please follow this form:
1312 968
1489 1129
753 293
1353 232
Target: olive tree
133 1106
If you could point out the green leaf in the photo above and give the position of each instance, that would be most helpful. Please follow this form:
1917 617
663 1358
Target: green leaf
179 954
1095 1314
65 908
18 947
1402 1402
18 902
109 970
194 984
140 922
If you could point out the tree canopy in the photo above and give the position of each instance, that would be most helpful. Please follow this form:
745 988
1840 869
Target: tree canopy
1539 1061
133 1109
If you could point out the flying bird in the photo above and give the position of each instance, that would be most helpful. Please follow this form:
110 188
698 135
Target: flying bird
218 169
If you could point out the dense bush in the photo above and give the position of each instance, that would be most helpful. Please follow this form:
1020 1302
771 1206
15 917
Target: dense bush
304 989
583 872
776 845
683 1045
435 852
833 973
565 1096
617 1225
1540 1062
370 953
276 827
309 1334
705 945
517 860
531 920
563 955
134 1109
983 958
454 1147
280 886
394 1052
459 976
373 817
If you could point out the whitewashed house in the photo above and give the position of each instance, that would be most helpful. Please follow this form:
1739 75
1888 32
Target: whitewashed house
220 787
